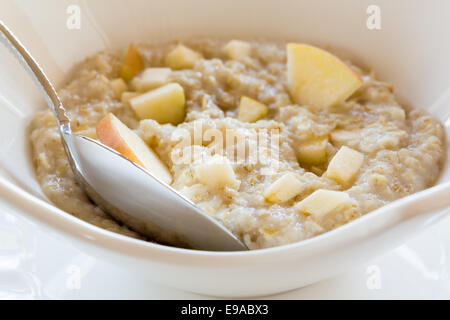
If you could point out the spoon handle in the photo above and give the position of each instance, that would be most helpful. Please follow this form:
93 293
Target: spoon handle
27 61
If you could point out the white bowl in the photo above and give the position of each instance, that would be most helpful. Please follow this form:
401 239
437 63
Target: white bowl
411 51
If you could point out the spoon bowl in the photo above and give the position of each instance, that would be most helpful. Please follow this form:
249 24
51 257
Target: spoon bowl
128 192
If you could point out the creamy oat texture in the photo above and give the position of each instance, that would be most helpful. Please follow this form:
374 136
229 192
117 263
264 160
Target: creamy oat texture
403 148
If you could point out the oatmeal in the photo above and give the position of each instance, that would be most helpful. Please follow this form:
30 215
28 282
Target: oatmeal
334 151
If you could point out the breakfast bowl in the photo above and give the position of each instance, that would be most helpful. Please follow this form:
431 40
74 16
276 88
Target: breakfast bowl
386 37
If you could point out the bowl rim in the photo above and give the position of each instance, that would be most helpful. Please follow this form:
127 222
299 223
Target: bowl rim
64 224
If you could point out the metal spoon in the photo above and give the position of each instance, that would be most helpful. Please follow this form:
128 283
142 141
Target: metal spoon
122 188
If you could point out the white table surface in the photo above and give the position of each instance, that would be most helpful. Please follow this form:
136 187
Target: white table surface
35 266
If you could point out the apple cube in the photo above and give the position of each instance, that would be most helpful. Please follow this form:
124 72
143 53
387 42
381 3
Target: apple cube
217 172
344 136
283 189
236 49
251 110
132 64
165 104
312 152
345 165
318 78
119 86
182 58
151 78
322 202
115 134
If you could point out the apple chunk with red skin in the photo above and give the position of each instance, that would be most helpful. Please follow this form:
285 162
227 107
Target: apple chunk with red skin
116 135
318 78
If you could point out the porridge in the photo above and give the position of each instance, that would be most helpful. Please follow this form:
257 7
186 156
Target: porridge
332 142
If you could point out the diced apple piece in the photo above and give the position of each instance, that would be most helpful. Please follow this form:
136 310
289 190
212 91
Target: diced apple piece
283 189
182 58
119 86
345 165
251 110
318 78
151 78
116 135
235 49
322 202
312 152
344 136
165 104
217 172
132 64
